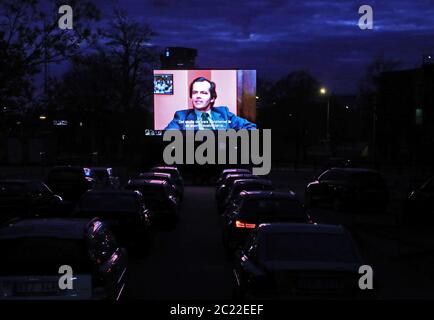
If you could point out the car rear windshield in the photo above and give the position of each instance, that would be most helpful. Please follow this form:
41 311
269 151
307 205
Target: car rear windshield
319 247
251 187
149 191
109 202
258 208
27 256
174 173
100 173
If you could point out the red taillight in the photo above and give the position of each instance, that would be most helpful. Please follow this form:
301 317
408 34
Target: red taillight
244 225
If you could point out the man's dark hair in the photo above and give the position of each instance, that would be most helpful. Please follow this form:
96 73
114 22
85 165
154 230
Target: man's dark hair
212 90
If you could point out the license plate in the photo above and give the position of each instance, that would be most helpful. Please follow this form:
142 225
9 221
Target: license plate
44 287
35 287
28 287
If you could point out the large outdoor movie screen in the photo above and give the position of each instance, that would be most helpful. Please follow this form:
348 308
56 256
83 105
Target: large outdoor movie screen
204 99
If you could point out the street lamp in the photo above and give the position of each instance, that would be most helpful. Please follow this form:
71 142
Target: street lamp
323 92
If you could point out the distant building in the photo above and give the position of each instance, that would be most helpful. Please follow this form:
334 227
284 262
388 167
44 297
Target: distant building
405 115
178 58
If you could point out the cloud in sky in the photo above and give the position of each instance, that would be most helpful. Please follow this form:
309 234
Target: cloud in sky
279 36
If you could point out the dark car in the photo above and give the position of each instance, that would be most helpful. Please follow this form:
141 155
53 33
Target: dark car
349 188
163 177
103 177
226 172
70 182
223 189
287 261
174 172
125 213
244 185
159 197
26 198
252 208
419 205
34 250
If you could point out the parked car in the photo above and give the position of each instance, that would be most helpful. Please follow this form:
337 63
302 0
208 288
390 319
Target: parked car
244 185
33 250
226 172
27 198
70 182
350 189
160 197
163 177
419 205
125 213
222 190
252 208
174 172
103 177
287 261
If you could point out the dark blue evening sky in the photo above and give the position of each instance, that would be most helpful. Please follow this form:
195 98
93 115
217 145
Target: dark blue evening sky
276 37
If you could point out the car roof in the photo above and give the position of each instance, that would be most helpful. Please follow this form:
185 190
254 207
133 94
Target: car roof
282 227
268 194
241 176
155 174
235 170
110 192
252 181
164 168
147 182
61 228
355 170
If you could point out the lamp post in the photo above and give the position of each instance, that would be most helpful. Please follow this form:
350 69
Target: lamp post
323 92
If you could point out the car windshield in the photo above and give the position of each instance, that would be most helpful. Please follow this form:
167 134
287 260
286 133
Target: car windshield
27 256
255 208
318 247
109 202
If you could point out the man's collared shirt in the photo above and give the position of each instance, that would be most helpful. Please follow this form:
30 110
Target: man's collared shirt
200 121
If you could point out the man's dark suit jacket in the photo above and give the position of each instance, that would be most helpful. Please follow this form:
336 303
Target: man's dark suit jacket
222 118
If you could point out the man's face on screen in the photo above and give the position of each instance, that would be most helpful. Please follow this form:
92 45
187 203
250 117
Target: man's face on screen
201 96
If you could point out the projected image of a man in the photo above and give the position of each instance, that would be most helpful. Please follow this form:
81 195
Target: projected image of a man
204 115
